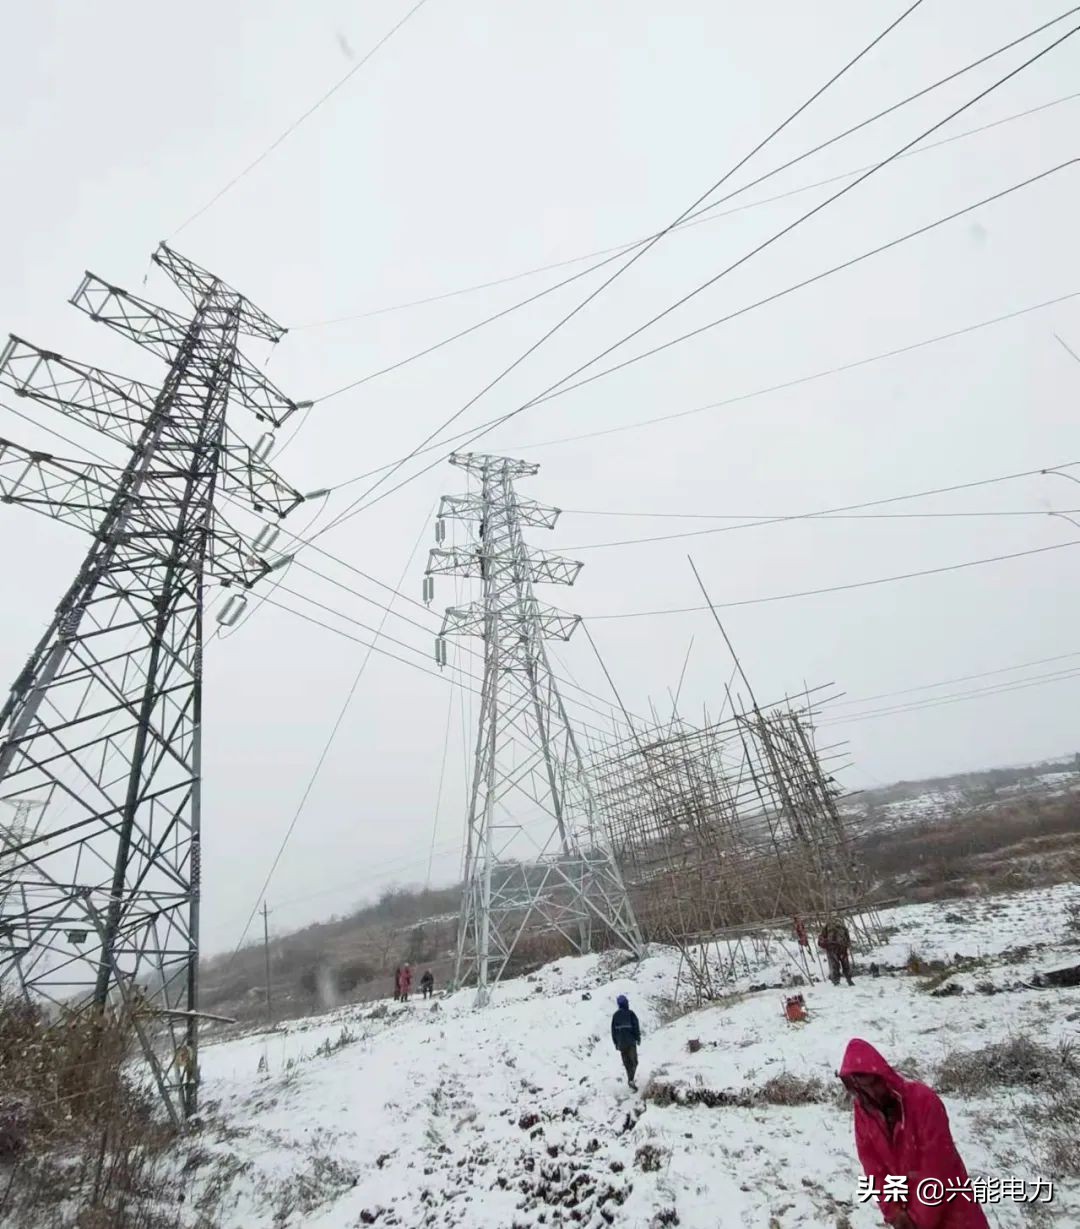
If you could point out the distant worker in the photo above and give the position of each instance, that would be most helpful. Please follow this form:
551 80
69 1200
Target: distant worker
906 1148
626 1036
427 984
397 983
482 530
406 983
836 943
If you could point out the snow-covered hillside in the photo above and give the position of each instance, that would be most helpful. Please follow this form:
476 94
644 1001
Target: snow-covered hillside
436 1114
868 814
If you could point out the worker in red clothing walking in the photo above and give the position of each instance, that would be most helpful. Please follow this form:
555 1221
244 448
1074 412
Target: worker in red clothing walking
902 1133
406 983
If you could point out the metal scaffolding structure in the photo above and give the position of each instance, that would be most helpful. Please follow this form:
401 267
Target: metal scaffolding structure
536 857
101 900
729 835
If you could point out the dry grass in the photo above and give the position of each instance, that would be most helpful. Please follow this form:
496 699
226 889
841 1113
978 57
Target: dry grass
1049 1079
788 1089
1016 1063
784 1089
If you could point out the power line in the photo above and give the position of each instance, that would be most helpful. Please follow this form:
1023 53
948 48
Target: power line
859 584
610 254
893 243
764 519
82 448
621 248
645 248
767 518
379 634
296 123
326 749
739 397
472 328
847 264
962 678
700 219
975 693
831 513
559 385
303 543
356 639
439 791
415 623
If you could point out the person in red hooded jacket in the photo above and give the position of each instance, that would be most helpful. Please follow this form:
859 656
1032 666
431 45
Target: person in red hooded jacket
902 1129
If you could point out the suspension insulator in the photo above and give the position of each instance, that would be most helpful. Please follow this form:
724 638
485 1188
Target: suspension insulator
263 445
440 530
440 651
429 590
234 607
265 538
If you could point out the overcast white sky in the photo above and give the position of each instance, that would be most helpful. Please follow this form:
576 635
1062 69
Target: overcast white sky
489 138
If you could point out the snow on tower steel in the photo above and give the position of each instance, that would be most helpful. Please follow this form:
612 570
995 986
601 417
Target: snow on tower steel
103 724
536 858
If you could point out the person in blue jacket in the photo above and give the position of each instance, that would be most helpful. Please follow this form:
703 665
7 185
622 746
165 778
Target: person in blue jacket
626 1036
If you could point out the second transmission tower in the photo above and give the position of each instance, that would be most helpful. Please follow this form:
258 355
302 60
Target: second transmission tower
543 865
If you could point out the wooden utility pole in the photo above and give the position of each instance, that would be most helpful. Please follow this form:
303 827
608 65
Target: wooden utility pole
266 951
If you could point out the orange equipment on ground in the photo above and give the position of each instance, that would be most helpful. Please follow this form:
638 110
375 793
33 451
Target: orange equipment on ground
795 1009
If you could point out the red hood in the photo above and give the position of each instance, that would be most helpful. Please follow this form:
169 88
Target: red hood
860 1058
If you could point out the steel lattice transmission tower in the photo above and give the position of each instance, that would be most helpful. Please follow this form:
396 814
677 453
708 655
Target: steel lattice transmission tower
551 865
105 720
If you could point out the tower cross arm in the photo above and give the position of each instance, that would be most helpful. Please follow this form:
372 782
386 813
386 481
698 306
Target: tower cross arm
230 557
481 464
162 332
80 493
530 513
535 567
245 474
551 624
76 492
112 404
196 283
119 408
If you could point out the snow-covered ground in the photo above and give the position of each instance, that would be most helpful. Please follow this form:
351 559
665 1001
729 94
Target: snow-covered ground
437 1114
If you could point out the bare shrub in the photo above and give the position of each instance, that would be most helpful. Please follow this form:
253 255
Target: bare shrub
332 1044
788 1089
649 1158
1050 1076
322 1178
1016 1063
782 1089
1053 1120
87 1148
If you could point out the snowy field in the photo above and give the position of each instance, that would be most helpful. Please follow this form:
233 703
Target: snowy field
441 1115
